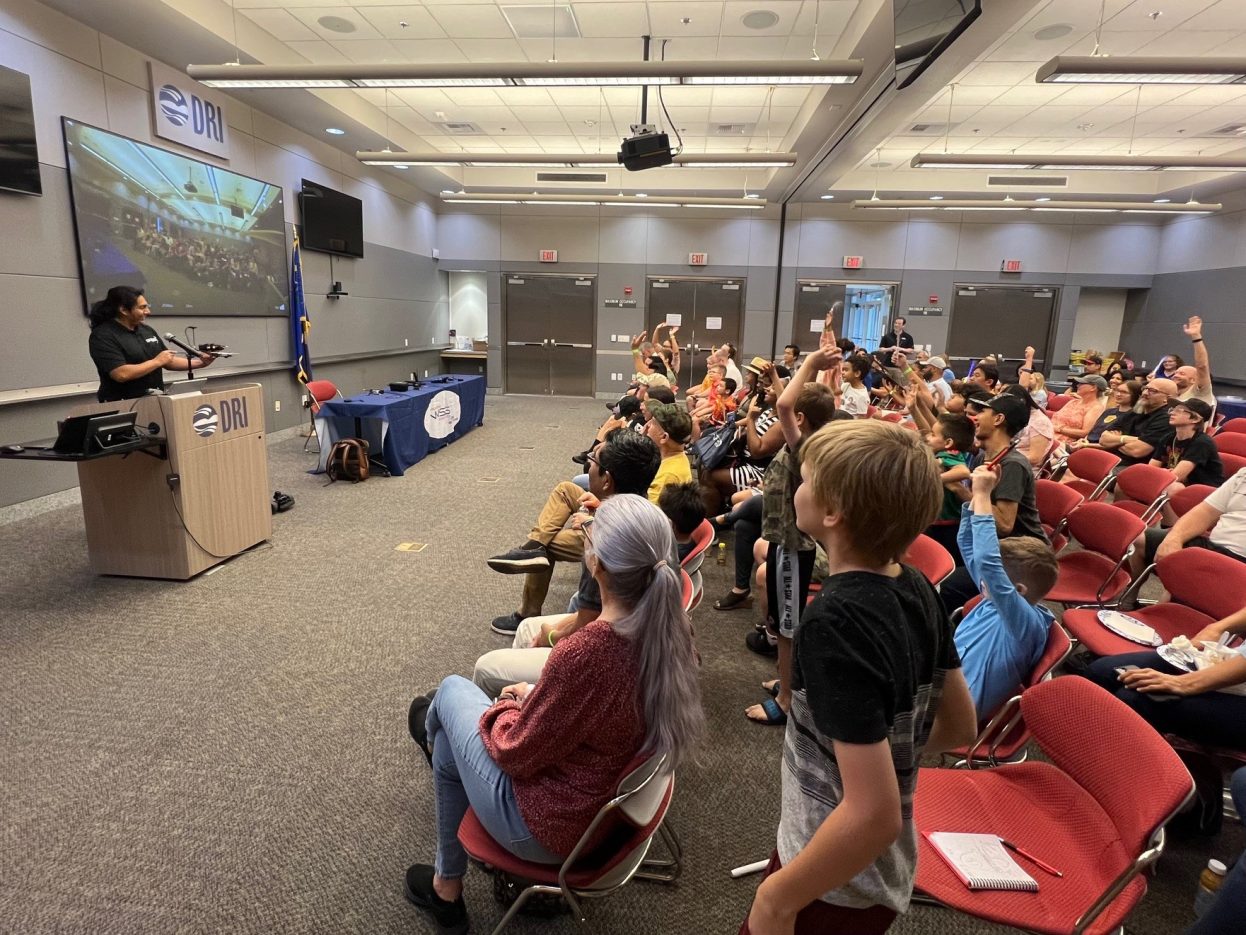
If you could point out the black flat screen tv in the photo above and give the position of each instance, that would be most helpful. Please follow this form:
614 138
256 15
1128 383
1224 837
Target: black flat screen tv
19 156
332 221
198 239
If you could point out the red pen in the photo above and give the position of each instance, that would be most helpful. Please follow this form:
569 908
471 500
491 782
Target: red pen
1030 857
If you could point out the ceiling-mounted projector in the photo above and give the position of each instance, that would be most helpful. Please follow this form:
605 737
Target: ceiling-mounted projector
645 149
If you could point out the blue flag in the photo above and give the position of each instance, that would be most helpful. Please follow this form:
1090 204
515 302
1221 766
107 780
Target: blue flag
300 324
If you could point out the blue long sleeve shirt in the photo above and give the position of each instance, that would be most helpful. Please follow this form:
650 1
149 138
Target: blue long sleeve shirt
1002 638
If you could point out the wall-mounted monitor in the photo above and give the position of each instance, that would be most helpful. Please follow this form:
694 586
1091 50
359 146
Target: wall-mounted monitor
332 221
19 157
924 28
198 239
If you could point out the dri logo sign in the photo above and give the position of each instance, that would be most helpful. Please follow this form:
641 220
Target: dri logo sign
207 420
186 112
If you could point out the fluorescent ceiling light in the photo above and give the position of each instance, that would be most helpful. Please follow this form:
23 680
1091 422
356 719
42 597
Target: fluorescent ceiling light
572 160
1068 162
978 204
1141 69
652 201
529 74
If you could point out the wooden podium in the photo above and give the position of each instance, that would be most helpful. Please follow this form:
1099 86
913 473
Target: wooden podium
205 501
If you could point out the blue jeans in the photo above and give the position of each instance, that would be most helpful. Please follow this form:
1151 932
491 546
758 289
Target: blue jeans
465 775
1227 912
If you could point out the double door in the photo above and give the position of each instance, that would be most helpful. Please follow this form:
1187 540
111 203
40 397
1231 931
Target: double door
549 321
1001 320
708 312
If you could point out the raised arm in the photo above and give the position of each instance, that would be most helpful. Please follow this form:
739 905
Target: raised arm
673 344
638 361
1202 363
816 362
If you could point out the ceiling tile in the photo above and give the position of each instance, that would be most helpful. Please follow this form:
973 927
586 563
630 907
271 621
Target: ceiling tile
281 25
478 21
1227 14
318 52
311 17
1211 94
693 48
472 97
734 12
764 48
367 51
665 18
999 73
1185 43
1138 15
490 50
387 21
612 20
428 50
1112 42
582 50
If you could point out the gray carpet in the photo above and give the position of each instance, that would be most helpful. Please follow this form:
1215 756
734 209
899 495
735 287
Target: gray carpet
230 754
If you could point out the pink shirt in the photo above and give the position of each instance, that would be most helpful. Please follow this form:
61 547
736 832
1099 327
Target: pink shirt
1073 415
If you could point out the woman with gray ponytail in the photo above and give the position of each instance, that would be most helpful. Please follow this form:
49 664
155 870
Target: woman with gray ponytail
538 764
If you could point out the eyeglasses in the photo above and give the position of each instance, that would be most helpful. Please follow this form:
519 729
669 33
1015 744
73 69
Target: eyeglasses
1148 391
593 459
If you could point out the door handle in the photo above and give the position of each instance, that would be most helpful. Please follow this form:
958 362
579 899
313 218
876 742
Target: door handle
589 346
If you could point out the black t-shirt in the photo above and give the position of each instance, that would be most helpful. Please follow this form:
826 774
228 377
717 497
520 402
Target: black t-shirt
1112 420
889 340
1200 451
1016 485
867 649
113 345
1152 428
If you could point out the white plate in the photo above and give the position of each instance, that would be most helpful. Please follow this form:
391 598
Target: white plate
1176 657
1131 628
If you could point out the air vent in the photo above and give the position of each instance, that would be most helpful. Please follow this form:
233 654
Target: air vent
732 129
1029 181
932 128
536 22
1229 129
461 129
595 178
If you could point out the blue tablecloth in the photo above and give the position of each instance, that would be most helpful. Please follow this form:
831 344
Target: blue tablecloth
1231 407
404 427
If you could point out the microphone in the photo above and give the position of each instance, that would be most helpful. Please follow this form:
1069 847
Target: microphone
185 347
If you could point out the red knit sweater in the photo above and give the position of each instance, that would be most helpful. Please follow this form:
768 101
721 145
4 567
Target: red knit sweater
566 746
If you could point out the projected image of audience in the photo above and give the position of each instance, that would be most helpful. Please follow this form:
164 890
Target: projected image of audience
197 238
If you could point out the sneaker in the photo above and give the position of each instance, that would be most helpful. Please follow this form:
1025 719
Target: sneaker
521 561
507 625
762 643
450 917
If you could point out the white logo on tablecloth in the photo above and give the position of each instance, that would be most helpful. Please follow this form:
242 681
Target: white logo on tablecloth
443 415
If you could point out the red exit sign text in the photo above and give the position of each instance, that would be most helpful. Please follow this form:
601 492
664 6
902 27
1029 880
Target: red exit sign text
854 262
1010 266
698 259
548 256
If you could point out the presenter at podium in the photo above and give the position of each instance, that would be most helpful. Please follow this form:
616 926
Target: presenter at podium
129 355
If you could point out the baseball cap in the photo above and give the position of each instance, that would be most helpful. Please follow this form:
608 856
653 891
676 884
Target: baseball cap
937 362
1094 380
653 379
675 422
1196 406
626 407
1014 410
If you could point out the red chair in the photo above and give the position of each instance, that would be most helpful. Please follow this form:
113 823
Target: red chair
1234 425
1232 463
1093 469
319 392
891 416
1145 489
1233 443
1057 401
687 591
930 558
608 855
702 539
1096 574
1188 498
1194 602
1082 812
1004 737
1055 503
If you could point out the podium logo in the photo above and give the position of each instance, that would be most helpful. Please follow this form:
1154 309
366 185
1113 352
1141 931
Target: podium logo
442 416
173 105
205 421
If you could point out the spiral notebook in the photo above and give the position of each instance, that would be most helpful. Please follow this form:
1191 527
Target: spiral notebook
981 861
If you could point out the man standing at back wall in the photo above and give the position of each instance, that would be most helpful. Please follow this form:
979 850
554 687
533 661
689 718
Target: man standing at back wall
897 337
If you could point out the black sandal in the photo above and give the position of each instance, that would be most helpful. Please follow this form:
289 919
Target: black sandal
417 718
734 601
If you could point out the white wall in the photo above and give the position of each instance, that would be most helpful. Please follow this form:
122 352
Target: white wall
1100 313
469 305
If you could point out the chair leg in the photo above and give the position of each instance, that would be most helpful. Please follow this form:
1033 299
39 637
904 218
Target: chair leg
523 898
664 870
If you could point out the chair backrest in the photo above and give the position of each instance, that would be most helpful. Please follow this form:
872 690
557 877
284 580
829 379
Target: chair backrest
1144 482
1092 464
1233 443
1016 734
1056 402
1104 747
1211 583
1103 528
1188 498
1055 501
687 589
702 539
1234 425
321 392
930 558
1232 463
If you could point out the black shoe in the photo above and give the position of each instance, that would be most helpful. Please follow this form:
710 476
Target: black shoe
507 625
581 459
521 561
450 917
759 642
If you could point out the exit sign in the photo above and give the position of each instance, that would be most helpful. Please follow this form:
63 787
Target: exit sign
698 259
854 262
1010 266
548 256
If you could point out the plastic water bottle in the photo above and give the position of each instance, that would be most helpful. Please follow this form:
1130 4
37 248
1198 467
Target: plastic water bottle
722 558
1209 882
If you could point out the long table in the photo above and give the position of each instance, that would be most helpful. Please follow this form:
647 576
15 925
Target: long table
404 427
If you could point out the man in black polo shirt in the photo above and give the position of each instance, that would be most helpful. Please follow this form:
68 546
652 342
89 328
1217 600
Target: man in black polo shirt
897 337
998 420
127 353
1150 432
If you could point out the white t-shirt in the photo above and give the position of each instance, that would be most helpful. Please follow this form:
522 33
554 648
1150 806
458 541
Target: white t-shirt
939 387
1229 500
855 401
1206 395
733 373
